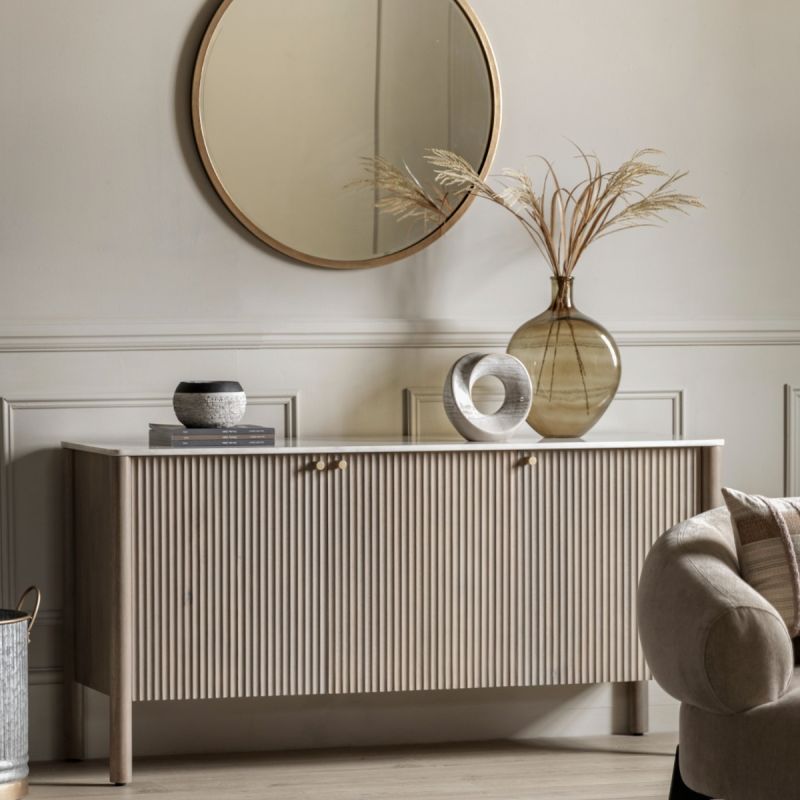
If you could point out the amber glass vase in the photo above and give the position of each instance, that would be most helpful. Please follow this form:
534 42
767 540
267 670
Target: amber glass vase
573 363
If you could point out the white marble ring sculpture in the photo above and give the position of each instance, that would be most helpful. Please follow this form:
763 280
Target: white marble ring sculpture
471 423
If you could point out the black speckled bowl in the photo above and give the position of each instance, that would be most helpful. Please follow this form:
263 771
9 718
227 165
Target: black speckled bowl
209 404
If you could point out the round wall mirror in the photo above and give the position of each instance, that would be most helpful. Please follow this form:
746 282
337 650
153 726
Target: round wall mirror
292 97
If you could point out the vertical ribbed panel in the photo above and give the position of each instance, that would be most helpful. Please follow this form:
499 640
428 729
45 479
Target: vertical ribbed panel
256 576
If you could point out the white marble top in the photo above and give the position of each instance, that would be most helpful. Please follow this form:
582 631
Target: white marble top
389 445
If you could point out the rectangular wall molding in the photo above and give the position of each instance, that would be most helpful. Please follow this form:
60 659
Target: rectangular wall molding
419 400
149 335
287 403
7 560
791 452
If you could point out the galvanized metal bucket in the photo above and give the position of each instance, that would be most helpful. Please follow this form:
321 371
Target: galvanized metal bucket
15 629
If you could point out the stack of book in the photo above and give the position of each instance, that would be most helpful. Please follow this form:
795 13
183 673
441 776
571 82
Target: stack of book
236 436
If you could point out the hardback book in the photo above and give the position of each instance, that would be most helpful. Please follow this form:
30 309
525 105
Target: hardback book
236 436
176 443
235 430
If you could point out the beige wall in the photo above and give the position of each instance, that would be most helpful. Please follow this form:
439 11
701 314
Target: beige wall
122 273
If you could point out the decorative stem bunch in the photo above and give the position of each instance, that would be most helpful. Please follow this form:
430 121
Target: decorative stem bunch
562 222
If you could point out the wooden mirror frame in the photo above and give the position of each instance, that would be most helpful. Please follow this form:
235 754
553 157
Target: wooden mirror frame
307 258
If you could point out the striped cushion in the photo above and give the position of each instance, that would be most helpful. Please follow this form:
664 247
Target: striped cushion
768 545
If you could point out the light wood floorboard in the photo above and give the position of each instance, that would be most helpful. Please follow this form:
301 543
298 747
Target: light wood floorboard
599 768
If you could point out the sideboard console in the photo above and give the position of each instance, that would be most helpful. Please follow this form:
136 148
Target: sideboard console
339 567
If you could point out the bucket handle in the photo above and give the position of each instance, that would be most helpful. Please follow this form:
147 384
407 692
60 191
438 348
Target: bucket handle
35 614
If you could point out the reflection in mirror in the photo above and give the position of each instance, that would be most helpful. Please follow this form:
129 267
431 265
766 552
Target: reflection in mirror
291 96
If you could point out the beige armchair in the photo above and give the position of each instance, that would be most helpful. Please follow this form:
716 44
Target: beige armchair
716 645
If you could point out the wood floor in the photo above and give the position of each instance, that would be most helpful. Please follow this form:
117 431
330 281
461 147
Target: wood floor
601 768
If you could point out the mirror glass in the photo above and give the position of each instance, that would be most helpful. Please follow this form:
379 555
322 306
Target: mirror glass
291 95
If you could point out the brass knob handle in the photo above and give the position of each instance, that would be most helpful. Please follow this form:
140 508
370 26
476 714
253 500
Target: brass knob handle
530 461
341 464
319 465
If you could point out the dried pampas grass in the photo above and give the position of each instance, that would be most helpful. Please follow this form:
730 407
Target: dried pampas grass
402 194
561 222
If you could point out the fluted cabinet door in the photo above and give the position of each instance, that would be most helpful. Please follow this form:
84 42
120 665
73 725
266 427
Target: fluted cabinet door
586 520
230 557
259 575
432 594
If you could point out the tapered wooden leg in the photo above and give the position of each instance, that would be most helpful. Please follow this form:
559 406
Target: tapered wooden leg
678 790
121 741
121 705
74 720
638 702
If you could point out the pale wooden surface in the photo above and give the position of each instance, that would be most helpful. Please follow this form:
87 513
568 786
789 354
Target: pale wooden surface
312 447
94 533
638 706
598 768
712 480
121 720
255 575
75 746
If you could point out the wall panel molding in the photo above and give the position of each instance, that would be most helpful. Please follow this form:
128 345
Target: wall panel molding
9 406
45 677
791 452
148 335
7 558
416 399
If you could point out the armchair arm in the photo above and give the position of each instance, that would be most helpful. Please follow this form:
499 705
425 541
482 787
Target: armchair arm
710 639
